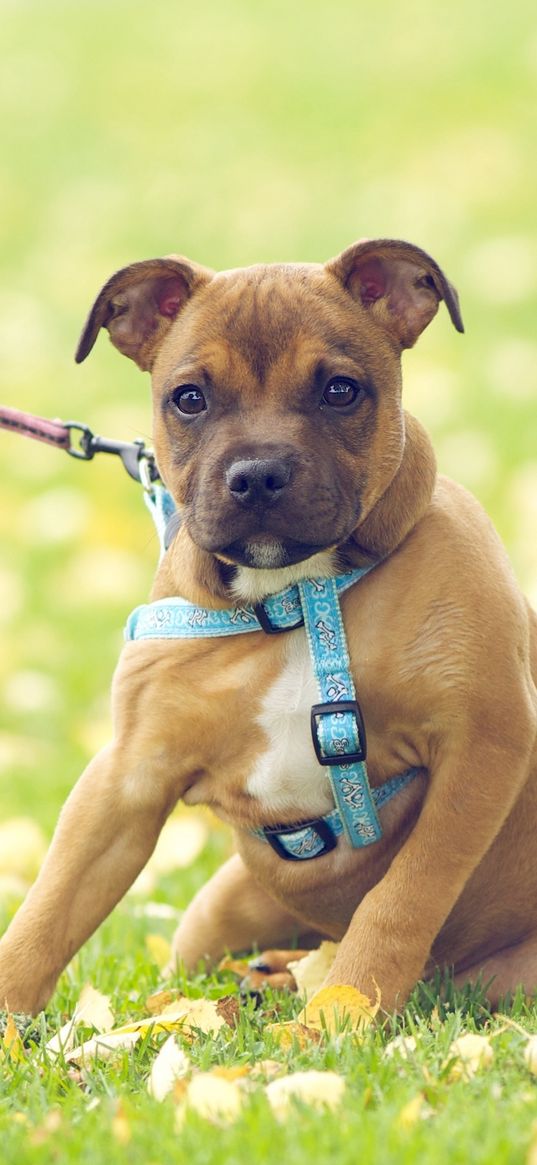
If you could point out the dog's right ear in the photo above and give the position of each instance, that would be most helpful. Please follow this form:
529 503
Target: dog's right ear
138 305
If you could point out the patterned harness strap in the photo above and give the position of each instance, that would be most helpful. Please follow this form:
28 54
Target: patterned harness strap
337 726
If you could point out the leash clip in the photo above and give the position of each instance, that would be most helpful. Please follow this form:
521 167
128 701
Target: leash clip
138 461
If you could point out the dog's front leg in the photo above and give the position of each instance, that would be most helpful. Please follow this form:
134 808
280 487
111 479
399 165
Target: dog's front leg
232 912
105 834
391 933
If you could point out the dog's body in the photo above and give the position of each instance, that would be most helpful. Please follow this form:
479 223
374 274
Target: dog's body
279 430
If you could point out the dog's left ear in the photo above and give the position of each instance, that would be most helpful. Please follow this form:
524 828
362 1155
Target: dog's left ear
398 283
139 304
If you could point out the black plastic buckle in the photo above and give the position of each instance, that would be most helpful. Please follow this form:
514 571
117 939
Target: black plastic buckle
340 758
270 628
321 828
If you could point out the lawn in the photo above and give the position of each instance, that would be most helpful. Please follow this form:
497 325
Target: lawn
234 133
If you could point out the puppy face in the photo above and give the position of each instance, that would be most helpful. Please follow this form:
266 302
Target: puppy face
276 420
277 389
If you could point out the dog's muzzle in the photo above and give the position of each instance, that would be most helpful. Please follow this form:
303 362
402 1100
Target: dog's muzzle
258 482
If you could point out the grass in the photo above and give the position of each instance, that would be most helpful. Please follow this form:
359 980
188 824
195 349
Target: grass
237 132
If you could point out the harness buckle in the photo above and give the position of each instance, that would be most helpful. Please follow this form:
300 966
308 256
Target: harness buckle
319 827
271 628
339 758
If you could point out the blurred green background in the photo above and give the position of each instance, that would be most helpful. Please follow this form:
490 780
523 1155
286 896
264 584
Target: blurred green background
236 132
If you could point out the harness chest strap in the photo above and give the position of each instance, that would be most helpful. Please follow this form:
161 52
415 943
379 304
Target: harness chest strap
337 727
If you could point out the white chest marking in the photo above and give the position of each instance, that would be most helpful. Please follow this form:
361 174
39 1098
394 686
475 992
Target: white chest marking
288 778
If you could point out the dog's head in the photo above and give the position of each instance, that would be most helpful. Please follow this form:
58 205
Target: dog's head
277 389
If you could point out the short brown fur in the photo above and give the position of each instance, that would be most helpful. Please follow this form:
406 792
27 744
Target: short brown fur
443 645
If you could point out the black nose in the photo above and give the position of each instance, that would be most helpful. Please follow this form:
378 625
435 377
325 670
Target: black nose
257 481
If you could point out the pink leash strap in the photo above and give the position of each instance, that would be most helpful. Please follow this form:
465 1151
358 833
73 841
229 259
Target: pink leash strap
52 432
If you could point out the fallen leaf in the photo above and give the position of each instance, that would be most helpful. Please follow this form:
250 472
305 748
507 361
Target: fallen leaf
22 847
11 1046
319 1089
293 1034
181 841
170 1065
268 1069
93 1010
103 1046
470 1053
401 1046
227 1007
159 1000
120 1125
415 1110
52 1123
213 1098
331 1008
238 967
159 949
310 972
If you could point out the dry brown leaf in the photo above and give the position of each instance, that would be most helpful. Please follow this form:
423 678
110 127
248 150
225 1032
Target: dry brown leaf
319 1089
159 949
212 1098
232 1071
339 1007
293 1034
470 1052
311 971
170 1065
228 1008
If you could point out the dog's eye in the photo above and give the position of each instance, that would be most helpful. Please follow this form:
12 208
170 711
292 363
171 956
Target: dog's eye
189 399
340 392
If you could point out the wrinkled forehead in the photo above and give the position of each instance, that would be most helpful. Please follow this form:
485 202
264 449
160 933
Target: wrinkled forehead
258 319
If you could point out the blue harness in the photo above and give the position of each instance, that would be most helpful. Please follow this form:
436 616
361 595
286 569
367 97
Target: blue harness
337 727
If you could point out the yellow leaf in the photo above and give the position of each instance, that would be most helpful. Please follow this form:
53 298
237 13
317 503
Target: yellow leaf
22 847
212 1098
311 971
159 1000
319 1089
332 1008
411 1112
402 1046
170 1065
530 1055
159 949
180 843
471 1052
121 1128
12 1046
93 1009
293 1034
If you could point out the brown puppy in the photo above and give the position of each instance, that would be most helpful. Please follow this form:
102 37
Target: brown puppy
278 428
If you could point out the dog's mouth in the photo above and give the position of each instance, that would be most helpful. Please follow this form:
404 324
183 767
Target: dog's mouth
266 552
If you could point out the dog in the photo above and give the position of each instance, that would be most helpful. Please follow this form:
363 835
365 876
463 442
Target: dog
279 430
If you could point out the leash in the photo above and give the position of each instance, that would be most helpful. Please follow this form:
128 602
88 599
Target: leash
337 726
79 441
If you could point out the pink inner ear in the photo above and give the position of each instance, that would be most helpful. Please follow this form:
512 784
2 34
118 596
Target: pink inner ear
170 297
372 280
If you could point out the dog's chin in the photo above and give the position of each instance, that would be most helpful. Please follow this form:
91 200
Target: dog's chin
267 553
